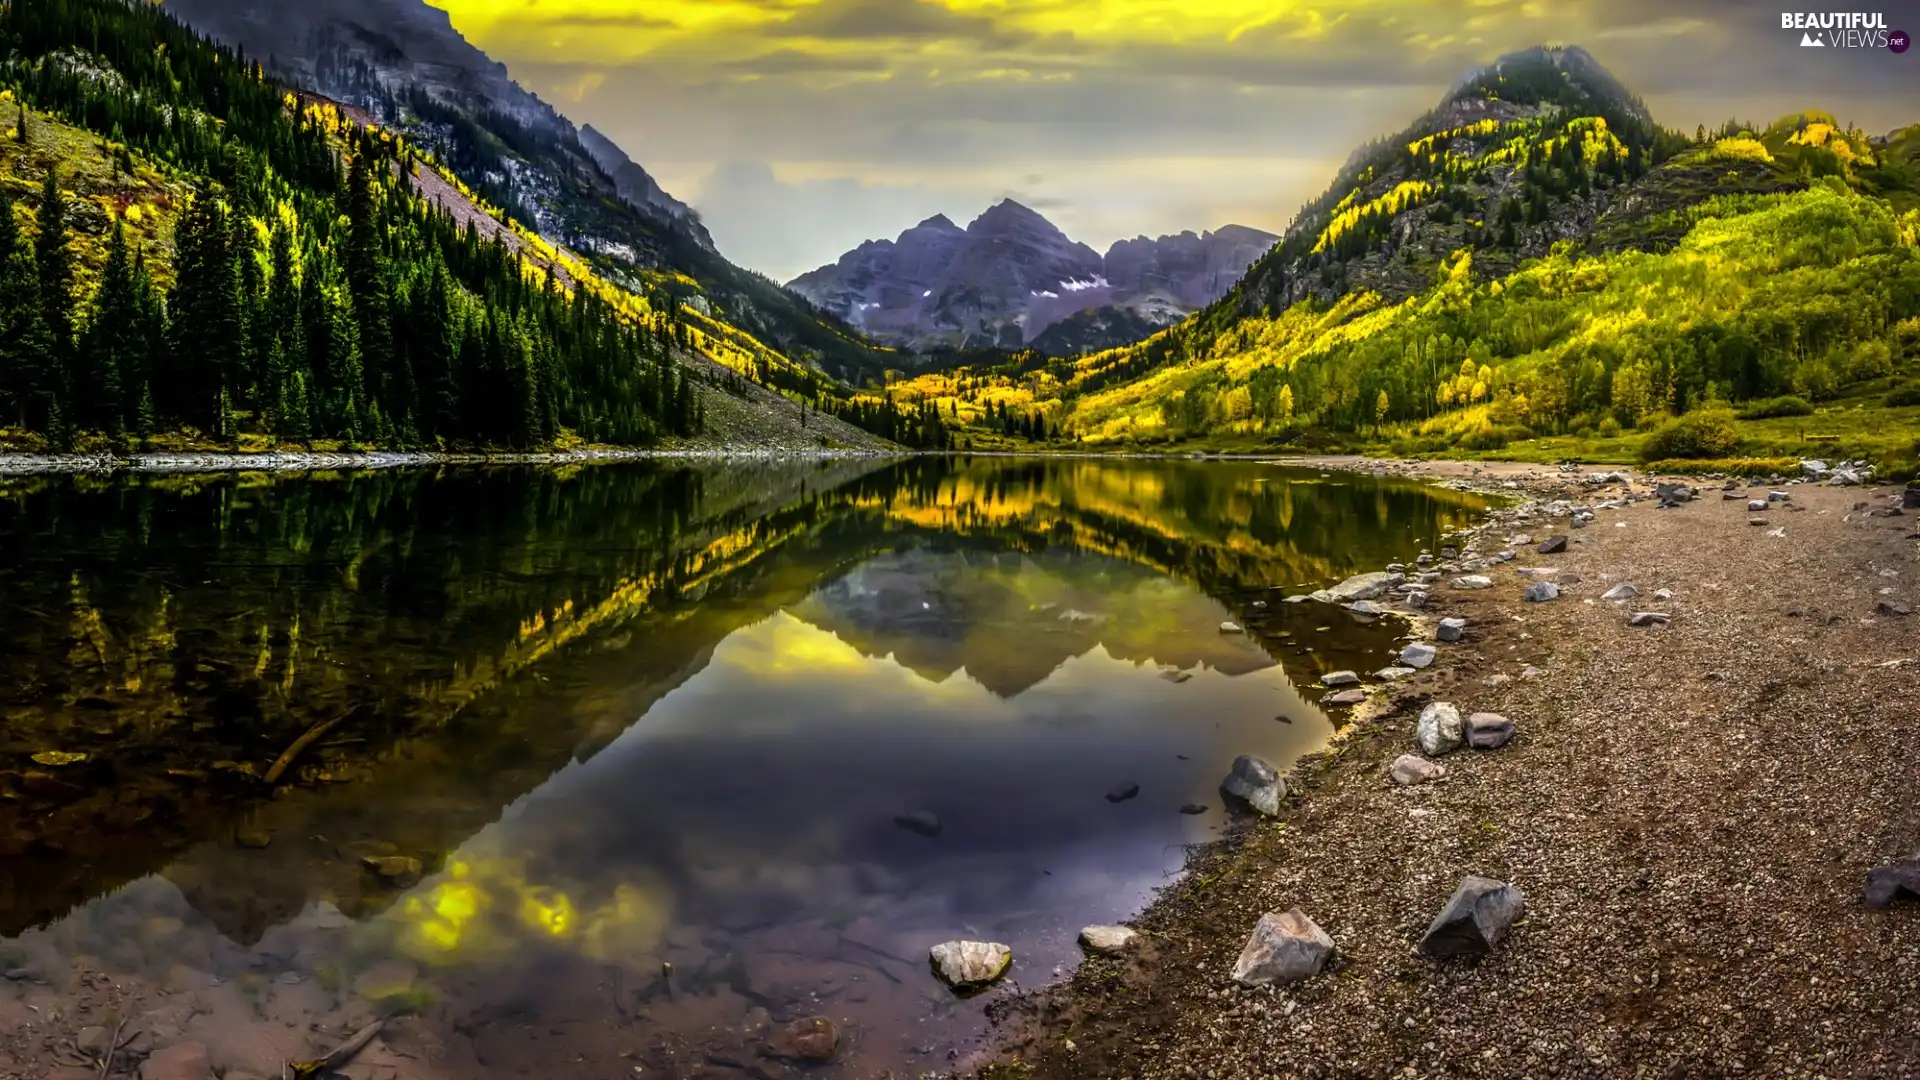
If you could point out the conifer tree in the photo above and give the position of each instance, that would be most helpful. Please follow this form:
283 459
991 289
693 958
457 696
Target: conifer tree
111 343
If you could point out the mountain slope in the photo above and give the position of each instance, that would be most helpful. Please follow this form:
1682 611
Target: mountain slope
404 63
1010 277
1535 257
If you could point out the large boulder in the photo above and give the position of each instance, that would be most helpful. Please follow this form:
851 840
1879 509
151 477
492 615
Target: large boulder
1440 729
1284 948
1475 919
1255 784
970 965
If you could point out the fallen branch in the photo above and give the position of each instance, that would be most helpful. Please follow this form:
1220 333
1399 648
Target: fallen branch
286 759
340 1055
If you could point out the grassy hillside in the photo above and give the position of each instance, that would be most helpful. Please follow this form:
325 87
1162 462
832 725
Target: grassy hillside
1747 266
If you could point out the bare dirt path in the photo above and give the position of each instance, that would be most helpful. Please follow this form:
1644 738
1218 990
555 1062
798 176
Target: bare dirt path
1691 812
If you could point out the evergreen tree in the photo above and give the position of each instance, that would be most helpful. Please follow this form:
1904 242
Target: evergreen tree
111 342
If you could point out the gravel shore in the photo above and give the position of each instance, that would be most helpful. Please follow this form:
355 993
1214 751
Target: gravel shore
1691 811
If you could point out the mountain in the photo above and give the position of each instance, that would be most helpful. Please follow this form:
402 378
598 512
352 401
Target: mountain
1011 276
404 64
1534 259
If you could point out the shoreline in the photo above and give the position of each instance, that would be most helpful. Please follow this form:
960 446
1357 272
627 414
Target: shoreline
1691 811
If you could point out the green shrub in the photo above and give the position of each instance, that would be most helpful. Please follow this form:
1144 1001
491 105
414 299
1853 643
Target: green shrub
1705 433
1770 408
1609 428
1907 393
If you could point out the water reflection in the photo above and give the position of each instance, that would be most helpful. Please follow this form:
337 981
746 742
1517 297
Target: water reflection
632 717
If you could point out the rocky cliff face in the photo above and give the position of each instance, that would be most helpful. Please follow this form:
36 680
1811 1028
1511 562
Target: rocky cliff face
1010 275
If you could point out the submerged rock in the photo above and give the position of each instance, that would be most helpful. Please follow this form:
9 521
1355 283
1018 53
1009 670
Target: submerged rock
919 822
1284 948
1123 792
1339 678
1108 940
969 965
1347 697
1362 587
1410 769
1475 920
1439 729
1256 784
812 1038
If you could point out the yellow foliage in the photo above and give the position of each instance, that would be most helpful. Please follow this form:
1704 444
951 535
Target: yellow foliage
1742 147
1403 194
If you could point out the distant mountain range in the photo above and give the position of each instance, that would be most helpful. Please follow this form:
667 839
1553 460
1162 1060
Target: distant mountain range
1011 279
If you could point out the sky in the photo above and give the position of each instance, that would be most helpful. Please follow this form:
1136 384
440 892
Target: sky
799 128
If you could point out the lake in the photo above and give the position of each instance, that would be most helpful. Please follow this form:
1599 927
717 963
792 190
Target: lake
626 769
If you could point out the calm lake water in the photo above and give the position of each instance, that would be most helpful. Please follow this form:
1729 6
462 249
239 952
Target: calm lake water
646 731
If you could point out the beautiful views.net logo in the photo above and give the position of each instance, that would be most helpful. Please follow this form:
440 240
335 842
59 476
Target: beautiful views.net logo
1845 30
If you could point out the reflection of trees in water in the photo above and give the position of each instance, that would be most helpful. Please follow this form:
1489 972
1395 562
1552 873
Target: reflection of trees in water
182 630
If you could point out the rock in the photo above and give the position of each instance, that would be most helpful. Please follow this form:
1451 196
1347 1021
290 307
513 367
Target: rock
1890 609
1757 521
1346 697
1778 496
56 759
1886 884
1910 497
1409 769
1392 674
1542 591
1339 678
1755 506
919 822
1488 731
1366 607
1418 655
181 1061
397 870
1475 919
1231 627
1417 599
19 974
1123 792
1256 784
1284 948
1495 681
92 1041
1553 545
1449 553
1473 581
1451 629
813 1038
969 965
1108 940
1623 591
1813 470
1193 808
1520 539
1363 587
1844 475
254 839
386 981
1663 595
1671 495
1649 618
1439 729
1607 478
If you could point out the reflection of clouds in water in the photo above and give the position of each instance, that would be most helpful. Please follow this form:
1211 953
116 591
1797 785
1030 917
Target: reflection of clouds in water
762 791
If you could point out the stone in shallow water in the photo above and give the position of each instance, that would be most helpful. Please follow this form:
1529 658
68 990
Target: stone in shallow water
1339 678
1366 608
1123 792
1284 948
1362 587
1256 784
812 1038
1418 655
1410 769
1107 940
1193 808
1488 731
919 822
1439 729
1347 697
1231 627
1393 674
1451 629
969 965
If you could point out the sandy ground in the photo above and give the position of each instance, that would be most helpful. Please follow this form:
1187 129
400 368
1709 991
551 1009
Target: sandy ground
1691 812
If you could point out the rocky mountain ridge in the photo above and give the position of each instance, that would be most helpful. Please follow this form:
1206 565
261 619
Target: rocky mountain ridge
1011 276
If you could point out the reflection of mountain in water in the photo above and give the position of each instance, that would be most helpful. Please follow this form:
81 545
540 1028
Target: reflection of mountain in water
471 632
1009 619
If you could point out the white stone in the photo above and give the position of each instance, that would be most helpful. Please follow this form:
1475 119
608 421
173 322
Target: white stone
1440 729
1473 581
1107 940
965 965
1410 769
1284 948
